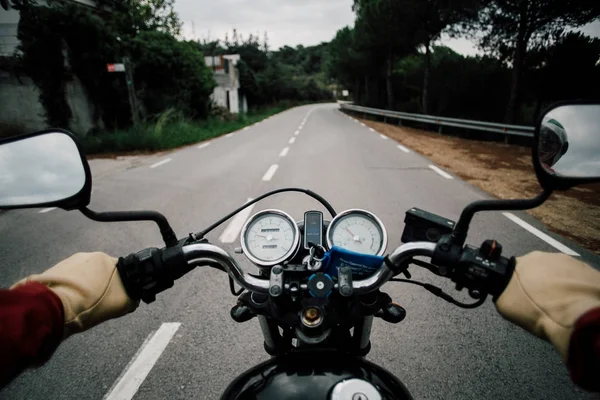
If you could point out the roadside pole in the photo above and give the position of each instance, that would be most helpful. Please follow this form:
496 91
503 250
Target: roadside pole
127 68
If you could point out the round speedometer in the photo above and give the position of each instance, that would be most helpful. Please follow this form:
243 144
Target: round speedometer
359 231
270 237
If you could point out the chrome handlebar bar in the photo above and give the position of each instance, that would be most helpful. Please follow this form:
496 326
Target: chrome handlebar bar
210 255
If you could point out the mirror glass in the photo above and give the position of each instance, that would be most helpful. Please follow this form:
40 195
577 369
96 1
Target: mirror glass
40 169
569 141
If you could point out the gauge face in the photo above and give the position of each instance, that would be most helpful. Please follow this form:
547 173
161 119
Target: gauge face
270 237
359 231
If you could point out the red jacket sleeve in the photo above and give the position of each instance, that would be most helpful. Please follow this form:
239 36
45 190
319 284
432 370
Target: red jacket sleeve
31 328
584 351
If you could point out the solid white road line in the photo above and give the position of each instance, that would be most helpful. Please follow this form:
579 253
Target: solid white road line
297 132
45 210
552 242
292 140
232 232
284 152
203 145
141 364
163 162
383 136
372 130
441 172
270 172
404 149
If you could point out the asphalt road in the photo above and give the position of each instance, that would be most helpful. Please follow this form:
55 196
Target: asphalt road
438 351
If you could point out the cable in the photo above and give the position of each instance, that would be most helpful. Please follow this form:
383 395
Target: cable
307 192
440 293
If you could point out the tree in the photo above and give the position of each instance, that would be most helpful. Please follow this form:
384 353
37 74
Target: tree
433 17
385 29
510 28
131 17
567 70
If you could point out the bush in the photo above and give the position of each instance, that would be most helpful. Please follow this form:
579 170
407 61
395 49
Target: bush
170 130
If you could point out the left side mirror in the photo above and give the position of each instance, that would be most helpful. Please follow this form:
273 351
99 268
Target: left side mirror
566 149
44 169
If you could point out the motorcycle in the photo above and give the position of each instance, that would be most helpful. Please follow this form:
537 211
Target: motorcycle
319 284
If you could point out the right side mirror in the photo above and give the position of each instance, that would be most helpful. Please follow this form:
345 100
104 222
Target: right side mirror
566 149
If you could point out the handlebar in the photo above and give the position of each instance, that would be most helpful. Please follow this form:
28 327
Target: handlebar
207 254
211 255
152 271
397 258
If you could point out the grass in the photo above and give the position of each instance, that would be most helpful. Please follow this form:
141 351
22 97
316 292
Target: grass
170 131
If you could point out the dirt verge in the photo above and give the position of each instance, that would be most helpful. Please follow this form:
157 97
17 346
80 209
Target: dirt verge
506 172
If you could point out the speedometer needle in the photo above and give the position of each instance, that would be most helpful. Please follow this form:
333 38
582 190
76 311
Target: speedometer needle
350 232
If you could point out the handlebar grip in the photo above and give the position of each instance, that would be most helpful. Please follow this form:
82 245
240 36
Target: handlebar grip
151 271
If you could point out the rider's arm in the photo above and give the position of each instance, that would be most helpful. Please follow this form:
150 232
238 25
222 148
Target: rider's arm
557 298
584 351
40 310
31 328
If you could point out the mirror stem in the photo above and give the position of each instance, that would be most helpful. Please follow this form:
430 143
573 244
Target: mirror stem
460 231
166 231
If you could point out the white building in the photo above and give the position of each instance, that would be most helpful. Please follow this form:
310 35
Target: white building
226 93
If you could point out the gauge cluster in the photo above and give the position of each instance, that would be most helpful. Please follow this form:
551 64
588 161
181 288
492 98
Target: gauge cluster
272 237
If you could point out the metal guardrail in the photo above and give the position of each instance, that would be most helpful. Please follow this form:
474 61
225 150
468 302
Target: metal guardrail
506 130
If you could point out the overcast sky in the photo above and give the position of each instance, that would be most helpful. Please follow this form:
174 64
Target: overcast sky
287 22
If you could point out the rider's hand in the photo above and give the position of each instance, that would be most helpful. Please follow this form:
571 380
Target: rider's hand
548 293
90 289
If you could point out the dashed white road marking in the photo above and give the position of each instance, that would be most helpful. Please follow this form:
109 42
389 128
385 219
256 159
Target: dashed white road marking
163 162
363 124
229 134
372 130
381 135
284 152
297 132
45 210
552 242
292 140
404 149
441 172
203 145
231 233
270 172
142 363
246 128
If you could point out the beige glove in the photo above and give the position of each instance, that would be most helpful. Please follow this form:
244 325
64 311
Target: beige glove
90 289
547 294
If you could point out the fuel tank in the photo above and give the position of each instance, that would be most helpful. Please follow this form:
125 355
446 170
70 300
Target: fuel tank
316 375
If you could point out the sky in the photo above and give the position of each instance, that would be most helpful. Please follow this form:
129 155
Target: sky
287 22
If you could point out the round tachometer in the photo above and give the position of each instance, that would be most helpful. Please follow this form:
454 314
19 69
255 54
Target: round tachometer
359 231
270 237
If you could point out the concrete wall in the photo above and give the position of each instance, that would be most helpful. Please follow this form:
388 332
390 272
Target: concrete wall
82 109
20 105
